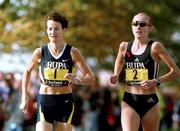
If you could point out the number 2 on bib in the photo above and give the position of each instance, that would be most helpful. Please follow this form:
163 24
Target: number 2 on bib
136 74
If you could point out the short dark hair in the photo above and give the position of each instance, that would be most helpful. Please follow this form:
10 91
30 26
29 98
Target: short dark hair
57 16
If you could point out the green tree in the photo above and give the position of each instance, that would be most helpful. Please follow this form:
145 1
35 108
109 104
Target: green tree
95 26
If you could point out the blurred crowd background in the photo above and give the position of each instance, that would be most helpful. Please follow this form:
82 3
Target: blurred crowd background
95 27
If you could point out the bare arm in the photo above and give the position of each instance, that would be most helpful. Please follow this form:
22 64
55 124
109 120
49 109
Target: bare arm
119 62
160 54
88 77
26 78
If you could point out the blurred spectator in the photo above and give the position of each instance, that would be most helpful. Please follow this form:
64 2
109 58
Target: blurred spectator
107 119
5 92
78 110
15 119
168 111
15 116
90 107
176 116
2 119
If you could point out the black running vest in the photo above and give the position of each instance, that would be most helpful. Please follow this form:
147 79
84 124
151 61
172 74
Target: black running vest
52 70
140 67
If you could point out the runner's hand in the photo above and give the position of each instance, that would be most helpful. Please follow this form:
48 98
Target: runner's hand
113 79
72 78
23 106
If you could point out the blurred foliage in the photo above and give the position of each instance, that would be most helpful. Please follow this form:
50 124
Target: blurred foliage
95 26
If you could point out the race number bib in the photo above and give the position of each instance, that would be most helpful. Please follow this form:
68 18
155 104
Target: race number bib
136 74
55 74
